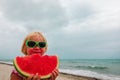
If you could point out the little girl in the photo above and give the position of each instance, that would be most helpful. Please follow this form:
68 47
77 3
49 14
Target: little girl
34 43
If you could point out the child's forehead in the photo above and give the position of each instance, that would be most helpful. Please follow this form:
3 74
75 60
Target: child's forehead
36 38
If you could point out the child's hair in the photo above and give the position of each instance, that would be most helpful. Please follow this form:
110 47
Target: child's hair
31 36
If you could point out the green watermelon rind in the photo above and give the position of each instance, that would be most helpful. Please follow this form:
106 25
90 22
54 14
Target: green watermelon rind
19 70
27 75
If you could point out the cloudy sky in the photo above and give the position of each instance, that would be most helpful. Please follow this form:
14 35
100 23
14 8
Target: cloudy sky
83 29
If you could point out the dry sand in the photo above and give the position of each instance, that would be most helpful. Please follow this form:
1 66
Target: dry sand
6 69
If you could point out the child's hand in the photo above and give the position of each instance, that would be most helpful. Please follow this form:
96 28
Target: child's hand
33 77
54 74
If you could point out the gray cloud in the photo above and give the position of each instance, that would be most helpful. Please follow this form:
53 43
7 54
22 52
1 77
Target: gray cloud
81 12
103 44
43 14
73 30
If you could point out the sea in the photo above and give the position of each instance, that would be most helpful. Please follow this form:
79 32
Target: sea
104 69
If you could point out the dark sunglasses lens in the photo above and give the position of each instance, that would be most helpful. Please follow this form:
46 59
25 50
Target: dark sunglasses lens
31 43
42 44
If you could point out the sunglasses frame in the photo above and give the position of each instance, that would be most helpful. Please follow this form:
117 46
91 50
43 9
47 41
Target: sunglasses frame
36 44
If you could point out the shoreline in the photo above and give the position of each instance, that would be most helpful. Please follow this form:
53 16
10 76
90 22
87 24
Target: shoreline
78 77
6 70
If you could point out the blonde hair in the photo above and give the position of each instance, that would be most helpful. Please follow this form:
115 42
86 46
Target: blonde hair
31 36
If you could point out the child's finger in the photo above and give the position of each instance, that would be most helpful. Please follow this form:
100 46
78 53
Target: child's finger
30 78
36 77
51 78
56 72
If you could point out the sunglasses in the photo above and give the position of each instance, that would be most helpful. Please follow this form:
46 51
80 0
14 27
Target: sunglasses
33 44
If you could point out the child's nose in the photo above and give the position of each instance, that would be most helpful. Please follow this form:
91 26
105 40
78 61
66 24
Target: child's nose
36 47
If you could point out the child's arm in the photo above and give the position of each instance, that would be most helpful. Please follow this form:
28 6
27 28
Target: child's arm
15 77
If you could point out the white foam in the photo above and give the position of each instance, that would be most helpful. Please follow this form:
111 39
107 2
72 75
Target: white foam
4 62
90 74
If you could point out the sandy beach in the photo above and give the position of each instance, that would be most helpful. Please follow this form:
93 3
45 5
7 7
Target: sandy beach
5 70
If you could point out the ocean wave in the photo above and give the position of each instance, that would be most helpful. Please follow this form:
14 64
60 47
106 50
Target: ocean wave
92 67
90 74
4 62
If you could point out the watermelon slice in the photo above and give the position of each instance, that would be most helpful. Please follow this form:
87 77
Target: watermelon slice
32 64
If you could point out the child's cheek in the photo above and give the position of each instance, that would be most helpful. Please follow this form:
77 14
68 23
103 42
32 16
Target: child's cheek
42 51
29 51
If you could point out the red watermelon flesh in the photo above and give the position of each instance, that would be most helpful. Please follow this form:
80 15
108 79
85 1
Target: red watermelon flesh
32 64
